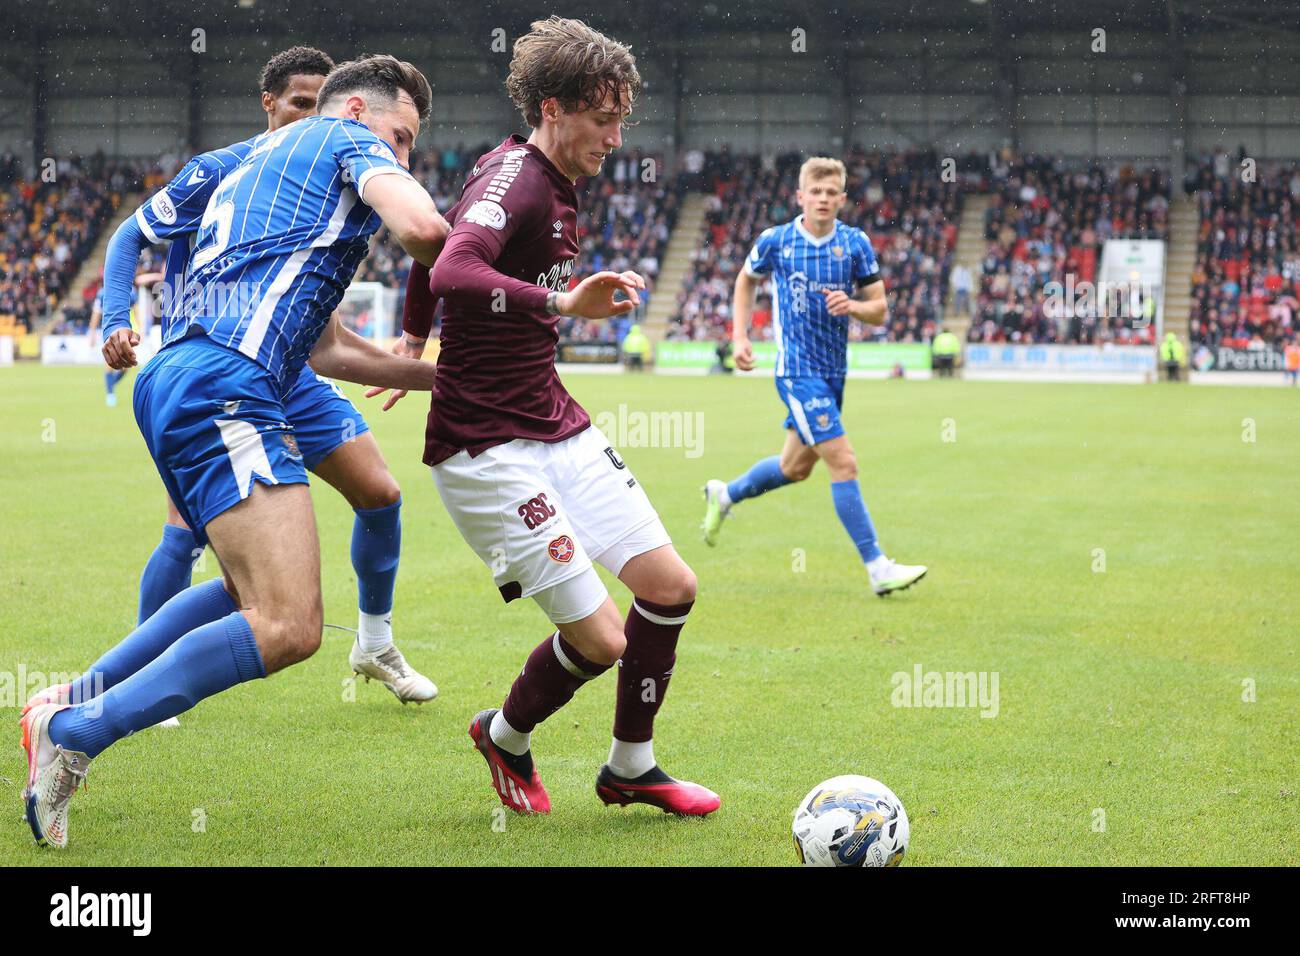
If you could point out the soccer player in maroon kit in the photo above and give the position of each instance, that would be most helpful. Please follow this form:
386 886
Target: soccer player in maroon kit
534 488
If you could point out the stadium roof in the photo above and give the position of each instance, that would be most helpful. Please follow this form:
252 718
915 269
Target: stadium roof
33 19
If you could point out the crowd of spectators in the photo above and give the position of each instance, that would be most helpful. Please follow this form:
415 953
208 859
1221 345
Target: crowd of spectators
48 224
1046 223
901 200
1246 282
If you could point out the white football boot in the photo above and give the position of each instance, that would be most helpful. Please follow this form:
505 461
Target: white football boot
888 576
717 505
389 667
53 776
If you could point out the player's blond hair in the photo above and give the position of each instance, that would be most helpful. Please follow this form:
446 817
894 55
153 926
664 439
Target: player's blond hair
823 167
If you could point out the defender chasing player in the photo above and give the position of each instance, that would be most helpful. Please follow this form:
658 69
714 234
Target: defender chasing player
533 487
279 243
333 437
815 262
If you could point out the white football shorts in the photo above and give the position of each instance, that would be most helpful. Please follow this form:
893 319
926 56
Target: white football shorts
539 513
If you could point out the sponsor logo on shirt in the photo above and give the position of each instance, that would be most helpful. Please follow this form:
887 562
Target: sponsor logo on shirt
163 208
557 277
488 213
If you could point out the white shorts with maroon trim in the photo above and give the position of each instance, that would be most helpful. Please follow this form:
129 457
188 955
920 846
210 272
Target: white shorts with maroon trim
538 513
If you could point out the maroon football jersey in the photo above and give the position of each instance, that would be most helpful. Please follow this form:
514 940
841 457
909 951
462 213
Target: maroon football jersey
513 241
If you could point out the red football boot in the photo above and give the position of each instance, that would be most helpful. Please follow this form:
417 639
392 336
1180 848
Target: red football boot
659 790
521 794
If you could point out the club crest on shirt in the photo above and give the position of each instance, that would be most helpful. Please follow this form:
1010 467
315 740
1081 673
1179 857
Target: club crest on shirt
837 252
487 212
561 549
291 445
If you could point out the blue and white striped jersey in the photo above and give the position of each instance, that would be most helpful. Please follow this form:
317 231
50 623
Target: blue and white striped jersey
174 213
811 341
280 240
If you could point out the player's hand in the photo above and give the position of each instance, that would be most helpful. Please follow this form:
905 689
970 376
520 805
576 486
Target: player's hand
408 347
837 302
119 350
593 297
742 353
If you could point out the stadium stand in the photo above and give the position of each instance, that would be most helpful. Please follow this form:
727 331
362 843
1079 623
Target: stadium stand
1045 221
48 227
1246 282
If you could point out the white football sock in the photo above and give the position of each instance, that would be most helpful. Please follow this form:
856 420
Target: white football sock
878 565
375 632
629 760
507 738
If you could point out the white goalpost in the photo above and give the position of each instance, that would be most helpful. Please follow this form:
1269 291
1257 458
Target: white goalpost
370 309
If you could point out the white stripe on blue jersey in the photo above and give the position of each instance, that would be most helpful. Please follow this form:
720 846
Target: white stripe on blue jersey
280 240
811 341
173 215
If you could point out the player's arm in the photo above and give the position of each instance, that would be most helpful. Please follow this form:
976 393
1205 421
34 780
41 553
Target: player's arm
120 339
464 274
341 353
417 322
742 307
386 186
757 264
409 213
867 305
868 301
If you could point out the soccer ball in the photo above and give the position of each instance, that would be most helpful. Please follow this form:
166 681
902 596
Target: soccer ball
850 821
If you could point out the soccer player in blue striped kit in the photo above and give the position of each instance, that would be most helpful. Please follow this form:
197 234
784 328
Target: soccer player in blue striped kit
334 439
279 242
824 272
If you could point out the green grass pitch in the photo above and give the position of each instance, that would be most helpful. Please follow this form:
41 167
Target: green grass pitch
1123 558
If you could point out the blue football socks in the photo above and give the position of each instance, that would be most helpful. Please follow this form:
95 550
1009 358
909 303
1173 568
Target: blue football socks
206 661
168 572
376 547
853 515
191 608
763 477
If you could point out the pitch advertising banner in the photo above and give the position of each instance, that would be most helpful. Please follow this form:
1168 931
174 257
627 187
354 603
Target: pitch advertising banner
866 359
1061 363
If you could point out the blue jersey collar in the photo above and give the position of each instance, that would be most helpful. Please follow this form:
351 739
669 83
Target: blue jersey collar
798 225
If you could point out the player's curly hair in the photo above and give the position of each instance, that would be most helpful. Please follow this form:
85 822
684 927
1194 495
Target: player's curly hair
381 74
295 61
572 62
